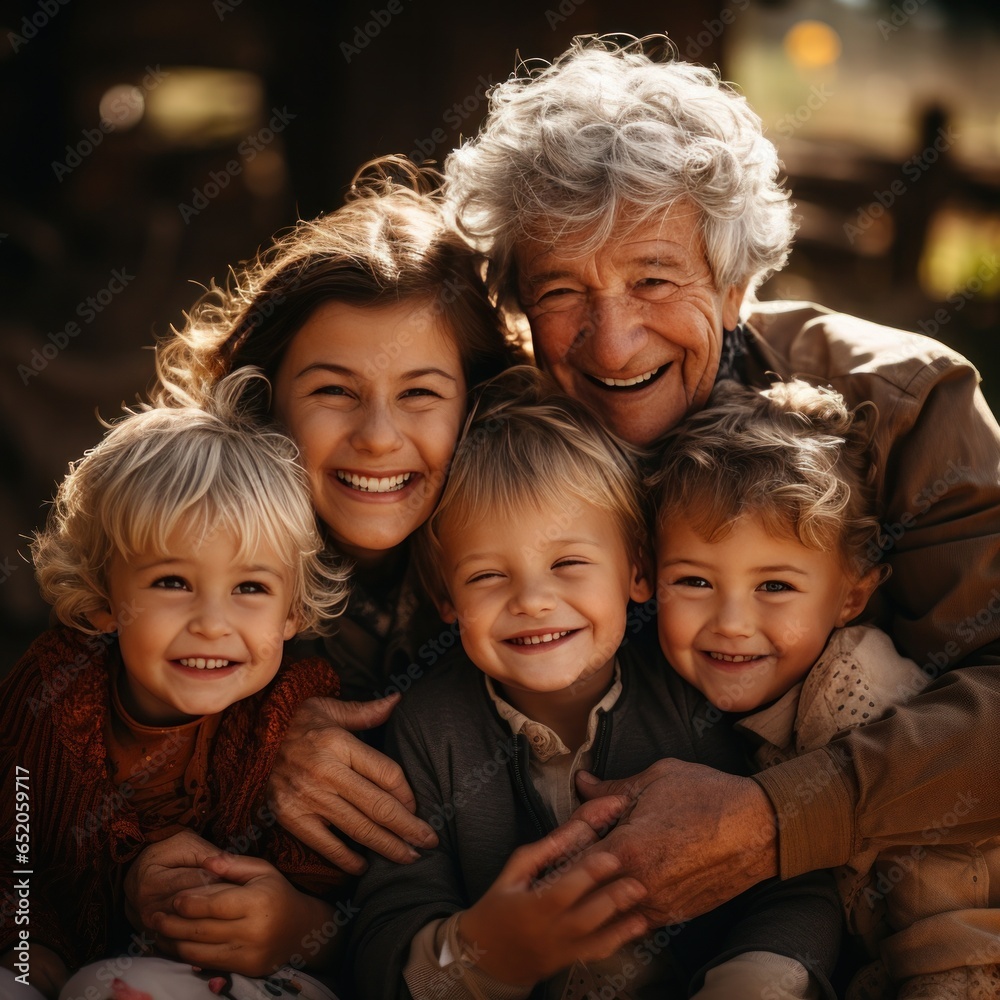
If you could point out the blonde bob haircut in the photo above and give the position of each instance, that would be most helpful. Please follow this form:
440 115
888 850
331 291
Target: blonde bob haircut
608 137
527 445
792 455
196 469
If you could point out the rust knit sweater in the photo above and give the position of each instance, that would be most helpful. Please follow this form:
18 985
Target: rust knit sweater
84 831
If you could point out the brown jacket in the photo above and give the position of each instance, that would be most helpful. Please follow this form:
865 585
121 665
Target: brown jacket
927 773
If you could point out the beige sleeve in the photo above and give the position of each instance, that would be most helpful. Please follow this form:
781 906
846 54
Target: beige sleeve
757 974
456 977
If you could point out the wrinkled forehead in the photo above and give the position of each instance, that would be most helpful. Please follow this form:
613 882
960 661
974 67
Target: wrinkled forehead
628 231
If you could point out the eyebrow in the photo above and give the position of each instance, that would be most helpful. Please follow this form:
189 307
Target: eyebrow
499 554
329 366
642 259
167 561
754 569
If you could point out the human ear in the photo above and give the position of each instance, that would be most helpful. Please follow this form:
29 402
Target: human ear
293 623
640 588
857 596
104 619
447 610
731 304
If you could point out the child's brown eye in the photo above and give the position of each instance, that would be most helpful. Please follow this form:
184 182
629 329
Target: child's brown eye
250 587
171 583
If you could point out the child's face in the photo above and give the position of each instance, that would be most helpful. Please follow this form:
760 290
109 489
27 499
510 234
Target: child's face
540 597
199 628
744 618
374 396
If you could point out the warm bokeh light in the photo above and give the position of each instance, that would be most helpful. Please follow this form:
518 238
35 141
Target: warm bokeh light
812 44
196 106
122 106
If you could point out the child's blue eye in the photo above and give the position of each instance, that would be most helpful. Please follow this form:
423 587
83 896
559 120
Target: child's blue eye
775 586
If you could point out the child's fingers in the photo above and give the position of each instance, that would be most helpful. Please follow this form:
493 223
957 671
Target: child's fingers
238 868
224 904
605 904
610 938
555 851
211 930
562 888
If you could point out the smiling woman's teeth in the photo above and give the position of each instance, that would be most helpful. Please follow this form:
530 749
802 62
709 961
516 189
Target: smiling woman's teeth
534 640
200 663
373 485
622 382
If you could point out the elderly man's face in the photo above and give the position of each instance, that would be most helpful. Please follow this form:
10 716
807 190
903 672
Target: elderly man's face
634 330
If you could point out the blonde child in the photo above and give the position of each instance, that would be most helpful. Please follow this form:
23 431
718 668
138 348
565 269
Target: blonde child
764 555
180 554
536 550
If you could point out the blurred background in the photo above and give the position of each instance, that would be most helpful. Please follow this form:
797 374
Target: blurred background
150 146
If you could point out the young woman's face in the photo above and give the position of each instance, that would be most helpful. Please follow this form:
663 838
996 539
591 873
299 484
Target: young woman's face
374 396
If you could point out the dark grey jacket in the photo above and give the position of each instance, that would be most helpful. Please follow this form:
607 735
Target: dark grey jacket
471 781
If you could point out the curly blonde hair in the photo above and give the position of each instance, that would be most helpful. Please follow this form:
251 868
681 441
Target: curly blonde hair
194 468
793 455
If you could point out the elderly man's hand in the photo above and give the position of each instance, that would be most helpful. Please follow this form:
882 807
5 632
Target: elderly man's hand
324 776
694 837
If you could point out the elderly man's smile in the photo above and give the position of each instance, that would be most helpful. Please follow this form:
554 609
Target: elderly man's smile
633 384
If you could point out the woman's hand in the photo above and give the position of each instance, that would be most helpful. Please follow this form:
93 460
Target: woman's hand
693 836
252 922
548 908
324 776
161 871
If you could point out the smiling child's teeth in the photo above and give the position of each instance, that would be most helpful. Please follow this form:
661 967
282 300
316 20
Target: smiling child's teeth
534 640
736 658
201 663
372 484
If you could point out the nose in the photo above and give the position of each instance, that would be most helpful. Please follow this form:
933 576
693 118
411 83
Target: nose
377 432
209 620
733 618
615 332
531 598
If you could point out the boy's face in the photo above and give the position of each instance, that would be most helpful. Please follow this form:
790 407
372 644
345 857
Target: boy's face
744 618
199 628
540 597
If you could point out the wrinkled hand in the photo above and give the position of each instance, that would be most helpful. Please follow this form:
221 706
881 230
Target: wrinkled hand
324 776
694 837
48 971
161 871
252 922
529 925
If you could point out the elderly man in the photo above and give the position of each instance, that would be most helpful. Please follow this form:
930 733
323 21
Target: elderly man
629 206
